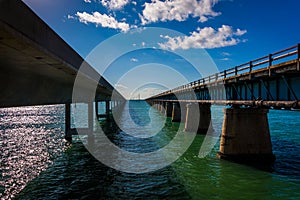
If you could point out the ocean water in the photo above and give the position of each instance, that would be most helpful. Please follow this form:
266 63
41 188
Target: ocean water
36 162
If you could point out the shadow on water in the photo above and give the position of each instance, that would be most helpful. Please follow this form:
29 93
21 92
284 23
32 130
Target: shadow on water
76 174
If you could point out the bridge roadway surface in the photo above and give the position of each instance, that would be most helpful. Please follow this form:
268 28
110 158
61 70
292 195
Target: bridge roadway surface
270 81
37 67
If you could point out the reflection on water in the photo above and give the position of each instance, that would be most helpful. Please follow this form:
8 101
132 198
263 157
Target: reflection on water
34 155
30 138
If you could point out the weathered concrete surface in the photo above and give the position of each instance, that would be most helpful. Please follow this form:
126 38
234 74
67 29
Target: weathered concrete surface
176 113
36 65
198 118
245 135
169 107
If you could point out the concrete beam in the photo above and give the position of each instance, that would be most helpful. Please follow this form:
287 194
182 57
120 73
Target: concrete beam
37 67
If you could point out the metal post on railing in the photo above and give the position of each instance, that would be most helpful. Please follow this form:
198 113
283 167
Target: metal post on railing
217 76
235 70
250 69
225 74
270 60
270 63
250 66
298 57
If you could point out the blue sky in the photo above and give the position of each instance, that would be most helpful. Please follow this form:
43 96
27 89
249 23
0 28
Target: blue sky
211 34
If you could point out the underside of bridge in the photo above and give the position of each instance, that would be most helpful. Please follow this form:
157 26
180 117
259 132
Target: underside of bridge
36 66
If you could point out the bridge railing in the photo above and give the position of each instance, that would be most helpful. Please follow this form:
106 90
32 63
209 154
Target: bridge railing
287 54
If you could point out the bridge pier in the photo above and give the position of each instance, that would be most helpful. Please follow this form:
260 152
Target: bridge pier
169 107
198 122
176 113
68 134
107 110
160 106
246 136
74 131
97 109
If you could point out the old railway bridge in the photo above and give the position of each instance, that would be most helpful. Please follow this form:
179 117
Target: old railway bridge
250 90
38 68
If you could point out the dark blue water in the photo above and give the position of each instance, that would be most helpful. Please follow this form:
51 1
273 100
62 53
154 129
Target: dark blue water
36 163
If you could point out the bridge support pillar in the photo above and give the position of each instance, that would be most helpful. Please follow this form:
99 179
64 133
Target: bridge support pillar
74 131
97 109
107 111
68 133
163 107
169 107
198 122
176 113
183 107
245 136
159 106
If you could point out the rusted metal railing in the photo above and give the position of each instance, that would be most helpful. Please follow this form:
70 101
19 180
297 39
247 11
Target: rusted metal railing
248 67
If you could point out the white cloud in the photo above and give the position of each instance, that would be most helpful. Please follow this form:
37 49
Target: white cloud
225 54
225 59
87 1
179 10
134 60
114 4
102 20
120 86
207 37
134 3
70 17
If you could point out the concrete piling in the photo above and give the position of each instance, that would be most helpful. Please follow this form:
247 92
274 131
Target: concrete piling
245 136
176 113
169 108
198 118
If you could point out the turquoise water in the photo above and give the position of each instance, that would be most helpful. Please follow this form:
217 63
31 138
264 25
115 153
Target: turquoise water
36 163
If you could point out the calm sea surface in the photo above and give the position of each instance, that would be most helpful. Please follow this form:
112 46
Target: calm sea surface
36 162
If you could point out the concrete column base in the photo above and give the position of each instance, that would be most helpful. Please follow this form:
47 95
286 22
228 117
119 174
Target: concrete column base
183 109
198 118
68 133
107 109
163 107
245 136
169 107
176 113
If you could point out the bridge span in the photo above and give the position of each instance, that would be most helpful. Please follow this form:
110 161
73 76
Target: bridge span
249 91
37 67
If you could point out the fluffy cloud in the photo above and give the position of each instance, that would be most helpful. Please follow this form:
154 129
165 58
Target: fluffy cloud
207 37
114 4
178 10
102 20
134 60
87 1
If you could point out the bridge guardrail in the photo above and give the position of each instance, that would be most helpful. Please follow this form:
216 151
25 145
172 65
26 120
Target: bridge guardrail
287 54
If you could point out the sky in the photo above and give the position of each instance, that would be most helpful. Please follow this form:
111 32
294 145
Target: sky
145 47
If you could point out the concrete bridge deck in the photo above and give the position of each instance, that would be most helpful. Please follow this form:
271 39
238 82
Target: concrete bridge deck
273 80
37 67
